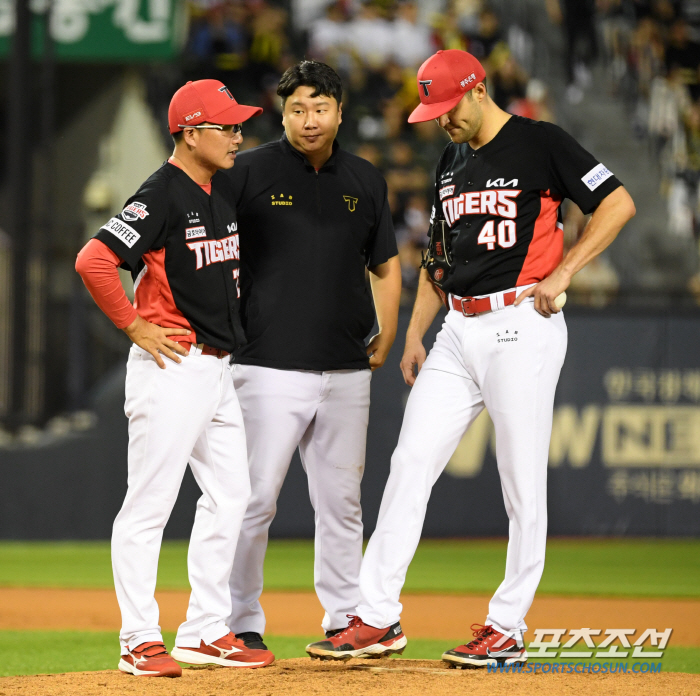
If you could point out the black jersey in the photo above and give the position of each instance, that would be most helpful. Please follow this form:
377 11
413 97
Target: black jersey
181 246
502 201
306 240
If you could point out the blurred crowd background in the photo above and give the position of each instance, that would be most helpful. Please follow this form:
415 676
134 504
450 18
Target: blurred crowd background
623 76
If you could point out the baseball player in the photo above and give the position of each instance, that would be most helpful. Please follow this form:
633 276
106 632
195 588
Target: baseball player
178 237
495 259
313 218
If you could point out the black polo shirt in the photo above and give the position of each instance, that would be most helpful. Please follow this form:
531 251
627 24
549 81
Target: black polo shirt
502 203
306 239
181 246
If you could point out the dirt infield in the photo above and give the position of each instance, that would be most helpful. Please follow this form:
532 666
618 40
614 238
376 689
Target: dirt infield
299 613
303 677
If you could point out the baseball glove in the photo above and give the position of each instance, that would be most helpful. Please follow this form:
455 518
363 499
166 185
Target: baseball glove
438 260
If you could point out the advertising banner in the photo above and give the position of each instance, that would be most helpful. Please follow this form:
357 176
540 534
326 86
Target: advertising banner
105 30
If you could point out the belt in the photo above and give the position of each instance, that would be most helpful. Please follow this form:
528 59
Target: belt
471 306
204 349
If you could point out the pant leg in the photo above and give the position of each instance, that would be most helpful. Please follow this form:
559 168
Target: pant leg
219 463
443 403
333 454
277 407
162 433
518 381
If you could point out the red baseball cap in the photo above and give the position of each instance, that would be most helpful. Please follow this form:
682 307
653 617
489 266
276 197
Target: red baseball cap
443 80
206 101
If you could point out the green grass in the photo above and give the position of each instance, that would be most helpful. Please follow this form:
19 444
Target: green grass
615 567
50 652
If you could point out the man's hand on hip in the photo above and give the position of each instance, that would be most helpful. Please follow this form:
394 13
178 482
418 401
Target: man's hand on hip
154 339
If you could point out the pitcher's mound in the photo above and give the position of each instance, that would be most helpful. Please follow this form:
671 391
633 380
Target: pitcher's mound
386 677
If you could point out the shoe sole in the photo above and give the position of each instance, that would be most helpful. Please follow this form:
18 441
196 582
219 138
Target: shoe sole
191 657
470 662
370 652
127 668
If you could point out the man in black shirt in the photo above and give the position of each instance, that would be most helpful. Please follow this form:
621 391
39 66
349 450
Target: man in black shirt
496 260
312 219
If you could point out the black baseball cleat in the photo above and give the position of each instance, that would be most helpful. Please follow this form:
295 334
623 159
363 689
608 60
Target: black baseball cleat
252 640
489 647
360 640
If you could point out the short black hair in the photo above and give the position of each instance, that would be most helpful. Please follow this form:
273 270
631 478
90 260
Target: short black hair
311 73
177 137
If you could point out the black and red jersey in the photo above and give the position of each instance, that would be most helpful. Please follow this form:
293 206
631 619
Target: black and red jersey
182 248
502 204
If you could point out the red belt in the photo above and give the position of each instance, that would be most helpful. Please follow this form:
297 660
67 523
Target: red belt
470 306
207 350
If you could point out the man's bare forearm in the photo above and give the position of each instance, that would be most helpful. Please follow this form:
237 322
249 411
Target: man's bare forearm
606 222
425 309
385 281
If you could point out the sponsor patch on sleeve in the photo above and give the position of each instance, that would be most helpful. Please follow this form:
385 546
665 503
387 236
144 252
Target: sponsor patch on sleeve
596 177
194 232
446 191
125 233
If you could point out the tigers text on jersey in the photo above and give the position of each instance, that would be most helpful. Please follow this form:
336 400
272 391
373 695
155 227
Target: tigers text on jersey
502 201
181 246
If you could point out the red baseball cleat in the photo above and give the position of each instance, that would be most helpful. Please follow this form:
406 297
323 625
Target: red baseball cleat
489 647
149 660
228 651
360 640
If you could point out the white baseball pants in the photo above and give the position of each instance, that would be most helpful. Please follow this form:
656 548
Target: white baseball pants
325 414
509 362
187 412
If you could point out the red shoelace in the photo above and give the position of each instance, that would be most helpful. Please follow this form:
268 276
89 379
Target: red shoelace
355 622
480 633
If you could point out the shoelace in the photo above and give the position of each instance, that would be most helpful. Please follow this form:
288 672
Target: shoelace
480 633
355 622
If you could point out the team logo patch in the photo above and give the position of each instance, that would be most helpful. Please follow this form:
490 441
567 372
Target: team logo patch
135 211
439 273
425 84
352 202
446 191
195 232
596 176
127 234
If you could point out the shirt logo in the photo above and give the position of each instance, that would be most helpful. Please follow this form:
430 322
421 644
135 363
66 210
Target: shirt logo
596 177
496 203
212 251
135 211
501 183
446 191
281 201
352 202
125 233
194 232
424 84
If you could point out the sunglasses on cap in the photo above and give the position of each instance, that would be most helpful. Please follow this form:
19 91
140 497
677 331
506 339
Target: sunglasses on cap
228 129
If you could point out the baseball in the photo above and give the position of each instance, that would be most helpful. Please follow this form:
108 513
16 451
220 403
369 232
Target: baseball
560 300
